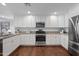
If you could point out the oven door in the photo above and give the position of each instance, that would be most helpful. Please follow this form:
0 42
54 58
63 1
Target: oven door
40 38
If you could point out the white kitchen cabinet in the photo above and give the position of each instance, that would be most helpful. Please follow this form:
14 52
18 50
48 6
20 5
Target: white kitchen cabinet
10 44
61 21
52 39
24 21
64 40
32 39
28 39
24 39
51 21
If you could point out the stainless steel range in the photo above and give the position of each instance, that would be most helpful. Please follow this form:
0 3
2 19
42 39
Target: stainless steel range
40 37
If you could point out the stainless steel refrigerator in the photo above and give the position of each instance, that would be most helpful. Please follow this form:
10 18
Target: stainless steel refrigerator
73 46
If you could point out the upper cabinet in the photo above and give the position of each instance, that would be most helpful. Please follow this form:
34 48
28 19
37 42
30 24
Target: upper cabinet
50 21
40 18
56 21
25 21
62 21
30 21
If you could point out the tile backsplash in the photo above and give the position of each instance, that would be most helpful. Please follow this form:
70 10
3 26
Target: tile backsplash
48 29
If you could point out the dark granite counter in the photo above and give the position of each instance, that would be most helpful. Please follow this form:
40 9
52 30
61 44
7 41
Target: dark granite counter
6 36
33 33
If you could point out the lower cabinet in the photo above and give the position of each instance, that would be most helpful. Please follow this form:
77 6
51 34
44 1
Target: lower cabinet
64 40
10 44
28 39
53 39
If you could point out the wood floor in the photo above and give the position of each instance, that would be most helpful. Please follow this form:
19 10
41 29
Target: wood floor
40 51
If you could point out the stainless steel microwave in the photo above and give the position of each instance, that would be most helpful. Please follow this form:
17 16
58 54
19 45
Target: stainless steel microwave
40 25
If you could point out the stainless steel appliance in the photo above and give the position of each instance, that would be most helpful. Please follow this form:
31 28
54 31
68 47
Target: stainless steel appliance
40 34
74 35
40 37
40 25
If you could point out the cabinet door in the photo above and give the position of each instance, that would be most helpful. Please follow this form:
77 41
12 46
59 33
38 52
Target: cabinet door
9 45
61 21
32 39
51 21
28 39
20 39
58 38
24 39
52 39
16 41
64 40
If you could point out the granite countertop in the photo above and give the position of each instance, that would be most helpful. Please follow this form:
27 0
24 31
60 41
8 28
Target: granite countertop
6 36
47 33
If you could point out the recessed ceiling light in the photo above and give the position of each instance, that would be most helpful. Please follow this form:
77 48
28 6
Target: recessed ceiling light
55 13
3 4
28 12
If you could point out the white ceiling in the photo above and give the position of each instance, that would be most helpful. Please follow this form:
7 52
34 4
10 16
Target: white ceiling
4 10
21 9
